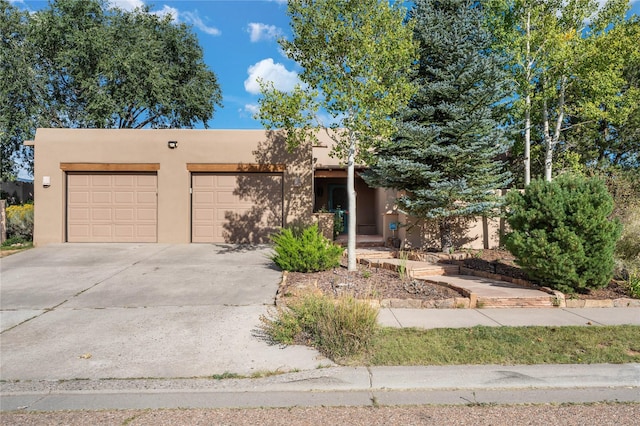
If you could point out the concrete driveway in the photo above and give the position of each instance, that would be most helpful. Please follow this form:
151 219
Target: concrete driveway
96 311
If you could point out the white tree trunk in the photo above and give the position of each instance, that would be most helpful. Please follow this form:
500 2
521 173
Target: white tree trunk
527 141
552 141
527 110
548 159
351 192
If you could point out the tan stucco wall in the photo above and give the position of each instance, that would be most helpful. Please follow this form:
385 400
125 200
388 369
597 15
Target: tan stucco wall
471 233
56 146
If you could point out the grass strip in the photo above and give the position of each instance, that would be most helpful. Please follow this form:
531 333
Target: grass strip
502 345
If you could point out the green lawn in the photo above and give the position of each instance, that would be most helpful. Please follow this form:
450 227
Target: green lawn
502 345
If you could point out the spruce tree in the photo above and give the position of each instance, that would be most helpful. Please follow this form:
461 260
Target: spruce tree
445 156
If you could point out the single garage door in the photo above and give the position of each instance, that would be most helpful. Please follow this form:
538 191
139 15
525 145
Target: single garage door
112 207
235 207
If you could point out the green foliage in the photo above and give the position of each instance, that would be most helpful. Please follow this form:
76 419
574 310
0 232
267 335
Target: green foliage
304 250
445 155
17 242
20 222
633 284
16 92
562 235
574 67
337 328
628 247
355 58
338 223
83 64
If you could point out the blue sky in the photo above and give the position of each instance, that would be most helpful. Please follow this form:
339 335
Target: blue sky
239 39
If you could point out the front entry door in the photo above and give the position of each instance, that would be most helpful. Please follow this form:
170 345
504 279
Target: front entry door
339 204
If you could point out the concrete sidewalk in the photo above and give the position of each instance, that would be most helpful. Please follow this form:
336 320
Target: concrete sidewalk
460 318
343 386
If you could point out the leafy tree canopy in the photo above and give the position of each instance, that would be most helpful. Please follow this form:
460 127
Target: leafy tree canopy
80 63
572 64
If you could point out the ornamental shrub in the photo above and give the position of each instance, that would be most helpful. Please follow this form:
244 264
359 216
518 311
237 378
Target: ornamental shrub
561 232
304 250
20 222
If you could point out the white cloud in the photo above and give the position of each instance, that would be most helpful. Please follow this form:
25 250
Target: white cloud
168 10
252 109
194 19
259 31
128 5
267 70
191 18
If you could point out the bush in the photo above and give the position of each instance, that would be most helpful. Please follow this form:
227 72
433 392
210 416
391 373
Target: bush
20 222
337 328
628 247
305 250
562 235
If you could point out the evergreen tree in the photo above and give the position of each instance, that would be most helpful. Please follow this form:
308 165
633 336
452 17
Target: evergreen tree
445 156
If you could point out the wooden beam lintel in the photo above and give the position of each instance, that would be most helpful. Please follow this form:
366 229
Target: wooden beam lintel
110 167
236 168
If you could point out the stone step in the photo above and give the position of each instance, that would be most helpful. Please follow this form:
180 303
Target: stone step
516 302
374 253
434 270
413 269
365 244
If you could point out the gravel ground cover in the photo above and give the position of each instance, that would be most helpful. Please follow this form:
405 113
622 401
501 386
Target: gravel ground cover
512 415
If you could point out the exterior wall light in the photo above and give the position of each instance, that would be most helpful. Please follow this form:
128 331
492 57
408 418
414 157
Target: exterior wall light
172 144
297 181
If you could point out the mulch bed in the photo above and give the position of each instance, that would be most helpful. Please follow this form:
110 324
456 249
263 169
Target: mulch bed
365 283
379 283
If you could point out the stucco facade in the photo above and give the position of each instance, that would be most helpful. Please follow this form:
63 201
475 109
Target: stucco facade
61 152
233 186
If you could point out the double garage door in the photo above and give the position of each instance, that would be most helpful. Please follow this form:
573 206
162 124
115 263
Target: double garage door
123 207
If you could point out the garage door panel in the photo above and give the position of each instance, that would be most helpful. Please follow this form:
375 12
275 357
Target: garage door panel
236 207
147 231
146 198
146 181
100 214
101 197
203 198
148 215
111 207
100 180
124 214
227 197
124 231
79 198
98 231
124 197
78 214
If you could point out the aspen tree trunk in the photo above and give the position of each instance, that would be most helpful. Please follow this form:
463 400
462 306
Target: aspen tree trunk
351 193
527 110
552 140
